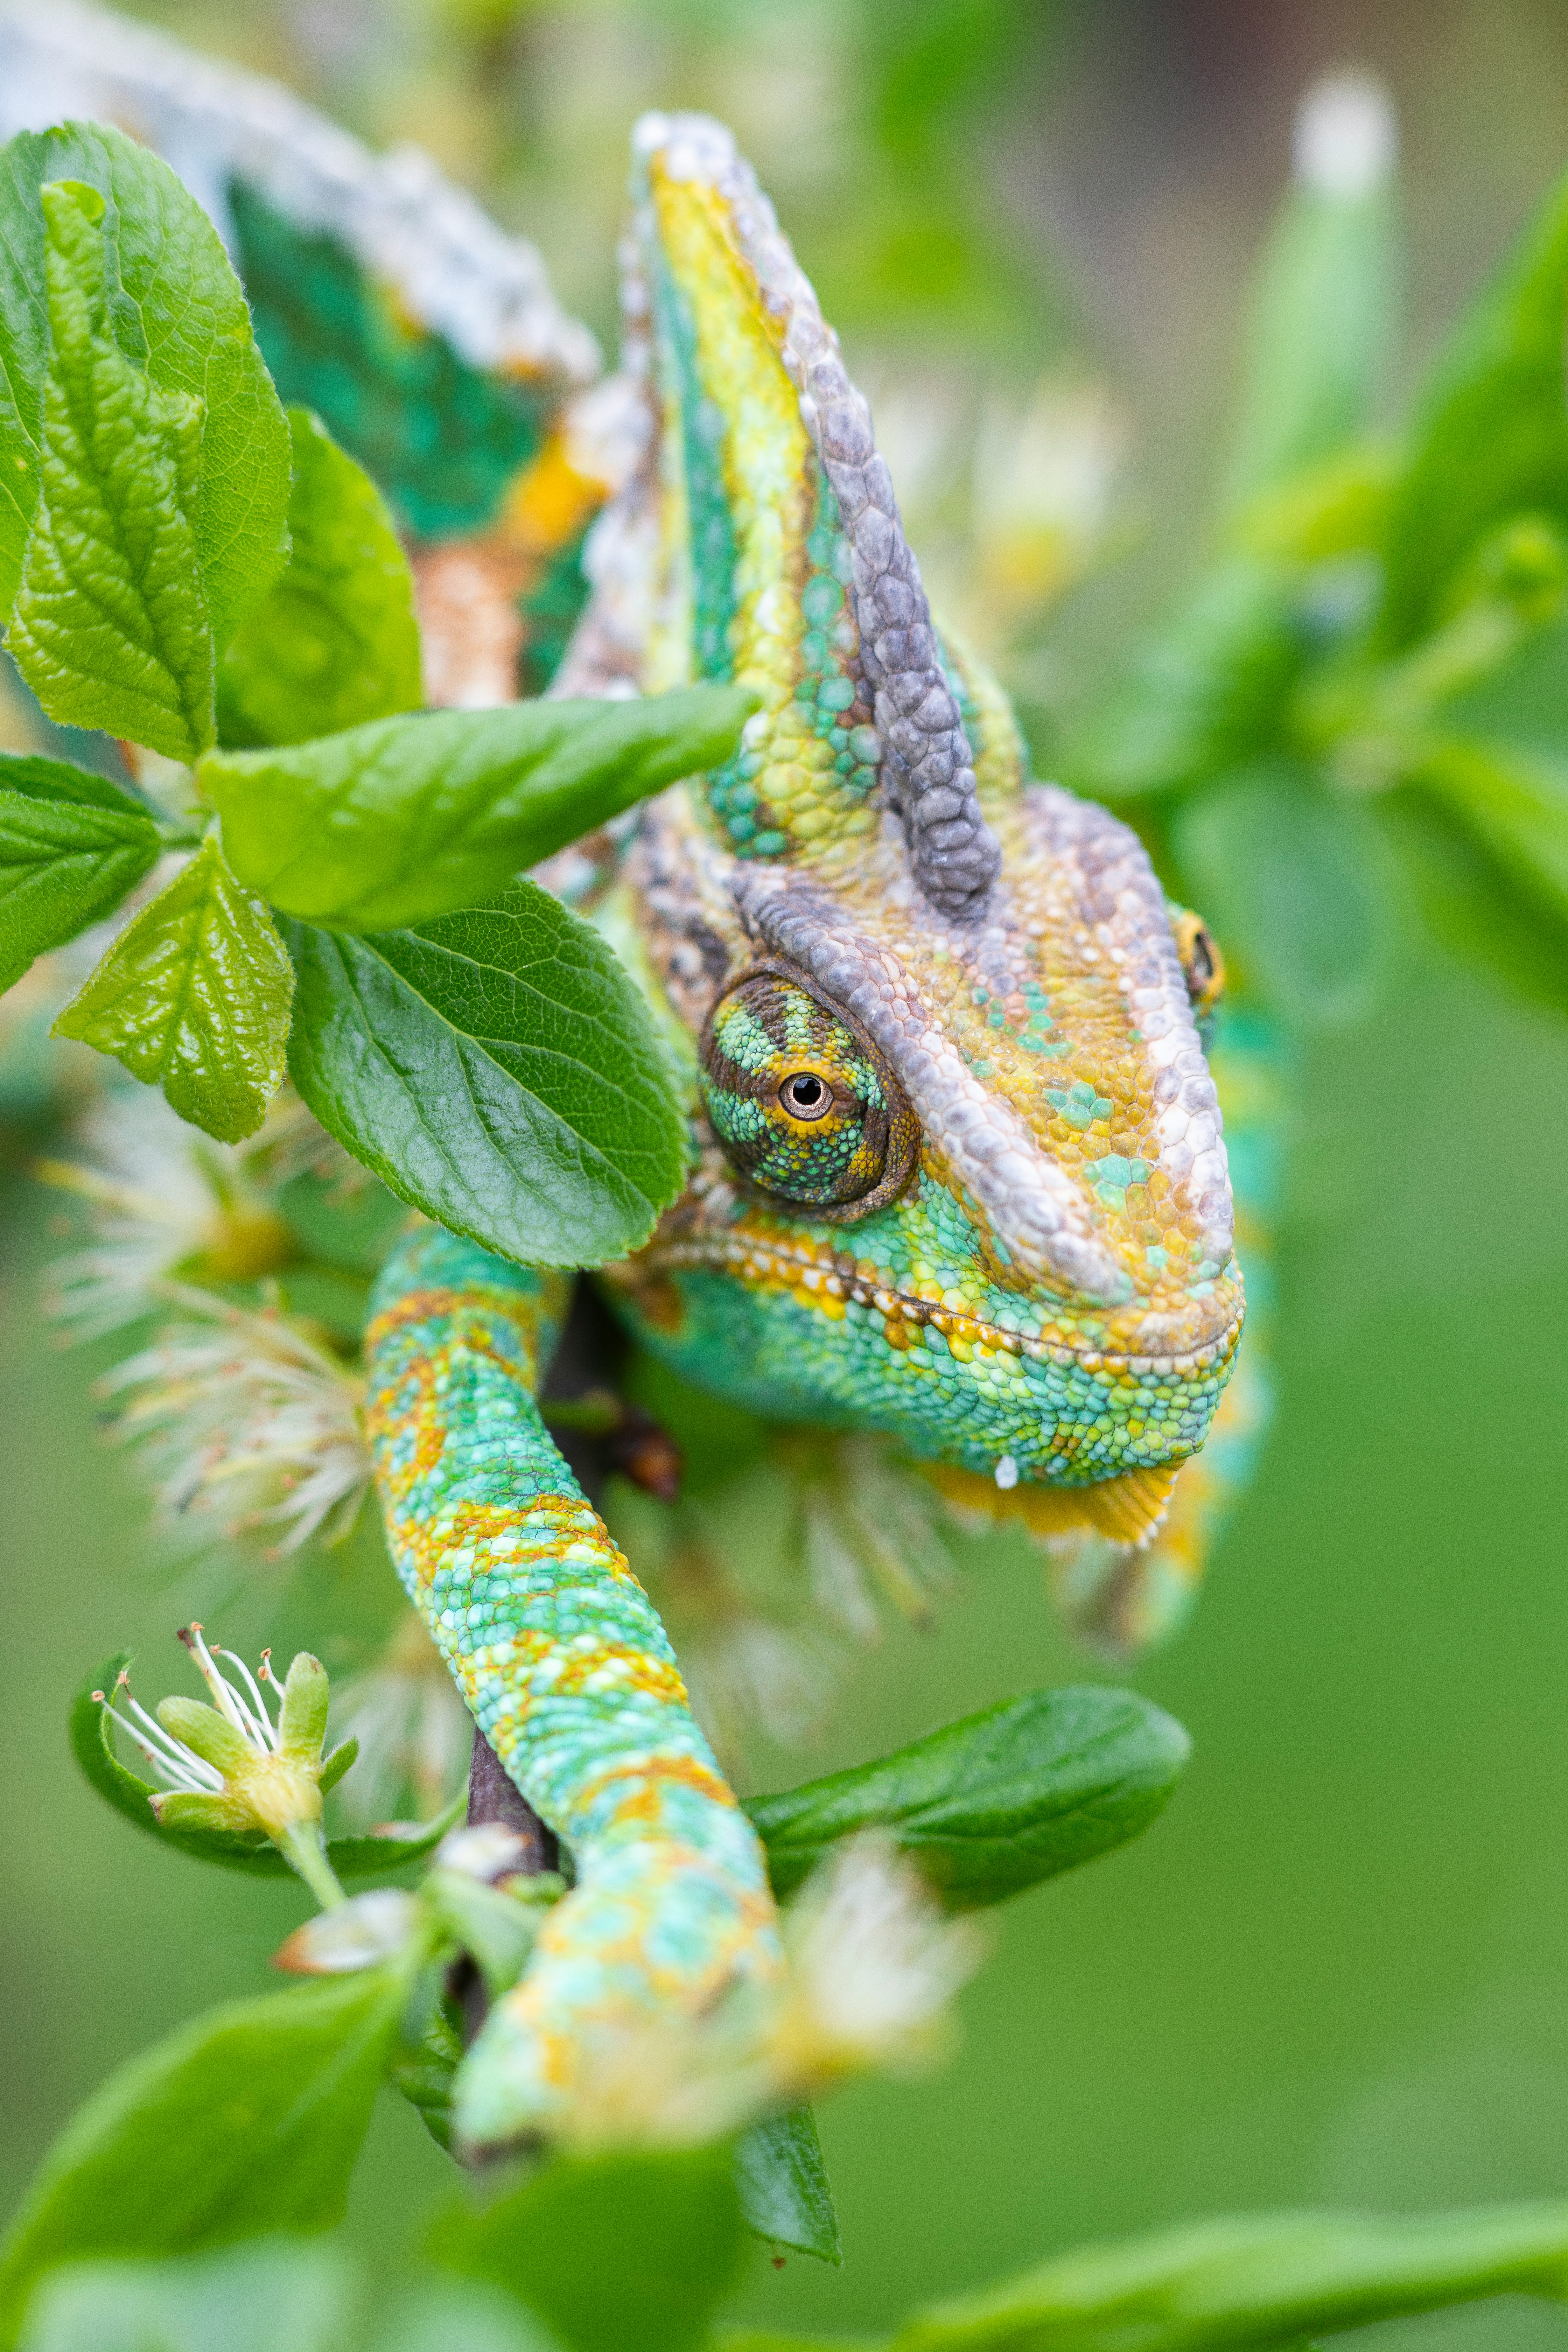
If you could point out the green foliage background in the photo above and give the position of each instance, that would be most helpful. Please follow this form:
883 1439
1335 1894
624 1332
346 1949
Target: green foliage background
1338 1969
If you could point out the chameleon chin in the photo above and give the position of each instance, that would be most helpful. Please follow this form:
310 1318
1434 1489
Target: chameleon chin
957 1171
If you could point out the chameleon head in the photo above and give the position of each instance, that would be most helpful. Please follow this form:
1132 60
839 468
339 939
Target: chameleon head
960 1170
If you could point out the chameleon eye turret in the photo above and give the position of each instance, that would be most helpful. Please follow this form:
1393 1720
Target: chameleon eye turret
803 1104
1203 965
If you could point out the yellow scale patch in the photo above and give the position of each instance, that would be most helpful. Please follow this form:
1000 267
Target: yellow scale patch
769 468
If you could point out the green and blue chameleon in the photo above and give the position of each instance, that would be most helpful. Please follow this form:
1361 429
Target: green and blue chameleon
957 1171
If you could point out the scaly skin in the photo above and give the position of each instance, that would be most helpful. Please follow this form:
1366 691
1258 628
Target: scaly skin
1007 1237
568 1673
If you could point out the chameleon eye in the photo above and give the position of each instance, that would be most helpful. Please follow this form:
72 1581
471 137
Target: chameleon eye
1202 962
804 1105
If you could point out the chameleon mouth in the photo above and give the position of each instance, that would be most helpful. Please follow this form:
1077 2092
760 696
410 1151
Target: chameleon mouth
906 1317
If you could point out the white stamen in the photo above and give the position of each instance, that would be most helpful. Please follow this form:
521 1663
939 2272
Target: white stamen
244 1422
225 1697
163 1749
171 1756
265 1726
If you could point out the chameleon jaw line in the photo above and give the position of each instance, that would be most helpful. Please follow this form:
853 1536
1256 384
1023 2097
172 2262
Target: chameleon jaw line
794 1270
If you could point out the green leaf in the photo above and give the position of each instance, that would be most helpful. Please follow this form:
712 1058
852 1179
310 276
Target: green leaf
1496 758
1294 880
782 2183
71 845
24 350
1515 800
61 780
1320 334
454 2315
193 996
426 2071
177 311
351 1857
1255 2280
336 643
110 627
1491 432
672 2223
1209 690
1473 906
497 1070
281 2297
246 2120
996 1801
1524 699
409 818
492 1927
783 2339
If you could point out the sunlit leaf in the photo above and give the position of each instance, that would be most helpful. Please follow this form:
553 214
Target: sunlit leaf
110 627
178 315
409 818
193 996
23 349
336 643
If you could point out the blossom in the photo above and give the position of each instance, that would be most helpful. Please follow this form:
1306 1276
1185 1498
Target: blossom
232 1767
874 1967
244 1420
162 1197
867 1525
365 1932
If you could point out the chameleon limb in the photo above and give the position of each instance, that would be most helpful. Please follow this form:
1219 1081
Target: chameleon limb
570 1678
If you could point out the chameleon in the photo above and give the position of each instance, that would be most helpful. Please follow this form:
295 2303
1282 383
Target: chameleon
957 1172
957 1167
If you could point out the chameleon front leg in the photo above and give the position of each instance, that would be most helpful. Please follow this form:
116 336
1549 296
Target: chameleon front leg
569 1673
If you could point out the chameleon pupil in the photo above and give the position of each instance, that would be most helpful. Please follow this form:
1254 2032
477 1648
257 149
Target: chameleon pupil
805 1095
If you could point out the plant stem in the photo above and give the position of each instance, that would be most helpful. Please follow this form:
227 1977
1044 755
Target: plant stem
304 1847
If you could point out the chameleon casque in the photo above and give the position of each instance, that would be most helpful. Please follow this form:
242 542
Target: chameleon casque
957 1170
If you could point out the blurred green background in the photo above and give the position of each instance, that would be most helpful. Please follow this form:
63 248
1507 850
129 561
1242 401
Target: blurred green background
1337 1970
